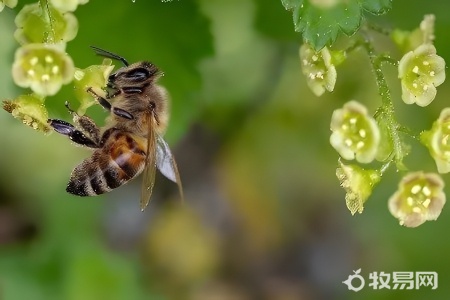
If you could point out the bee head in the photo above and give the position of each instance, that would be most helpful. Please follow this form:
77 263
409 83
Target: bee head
134 75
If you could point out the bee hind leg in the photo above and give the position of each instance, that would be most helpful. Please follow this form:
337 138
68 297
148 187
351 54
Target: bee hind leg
74 134
86 124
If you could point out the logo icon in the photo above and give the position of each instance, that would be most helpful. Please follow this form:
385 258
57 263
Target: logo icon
349 281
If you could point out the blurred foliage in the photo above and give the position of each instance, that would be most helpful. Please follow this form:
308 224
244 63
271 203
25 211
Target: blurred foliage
264 216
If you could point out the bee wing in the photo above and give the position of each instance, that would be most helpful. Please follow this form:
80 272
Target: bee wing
150 165
166 163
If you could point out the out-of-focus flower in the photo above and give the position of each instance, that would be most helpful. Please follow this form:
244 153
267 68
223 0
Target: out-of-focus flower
358 183
30 110
35 26
43 68
318 68
95 76
408 41
67 5
355 133
437 140
420 72
419 198
188 260
9 3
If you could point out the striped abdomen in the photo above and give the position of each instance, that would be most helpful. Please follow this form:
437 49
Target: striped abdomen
120 159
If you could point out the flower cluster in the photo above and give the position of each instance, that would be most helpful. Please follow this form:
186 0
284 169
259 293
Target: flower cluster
356 135
41 63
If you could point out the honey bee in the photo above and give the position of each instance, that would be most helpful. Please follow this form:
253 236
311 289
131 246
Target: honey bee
131 143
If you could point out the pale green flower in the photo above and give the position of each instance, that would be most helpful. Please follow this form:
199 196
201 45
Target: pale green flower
34 26
358 184
96 77
355 133
30 110
318 68
43 68
437 140
9 3
420 72
419 198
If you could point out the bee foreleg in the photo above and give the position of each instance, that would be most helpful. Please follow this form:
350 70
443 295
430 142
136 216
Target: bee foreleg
74 134
106 105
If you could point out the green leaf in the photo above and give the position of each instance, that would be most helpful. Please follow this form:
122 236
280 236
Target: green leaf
321 22
376 7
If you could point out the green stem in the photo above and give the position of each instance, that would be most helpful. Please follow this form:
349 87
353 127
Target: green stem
386 112
50 36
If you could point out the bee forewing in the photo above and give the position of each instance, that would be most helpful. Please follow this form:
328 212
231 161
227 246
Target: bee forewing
165 160
166 163
150 166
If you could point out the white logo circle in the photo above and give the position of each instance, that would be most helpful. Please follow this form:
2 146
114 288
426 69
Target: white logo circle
349 281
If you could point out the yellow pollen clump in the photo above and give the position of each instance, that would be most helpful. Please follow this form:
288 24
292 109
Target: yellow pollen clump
362 133
34 61
48 59
426 191
416 189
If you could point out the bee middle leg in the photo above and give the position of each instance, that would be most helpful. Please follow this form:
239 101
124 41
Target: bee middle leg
115 110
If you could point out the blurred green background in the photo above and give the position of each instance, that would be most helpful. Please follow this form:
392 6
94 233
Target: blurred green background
264 218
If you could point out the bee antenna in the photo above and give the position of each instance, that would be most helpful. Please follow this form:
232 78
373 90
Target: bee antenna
108 54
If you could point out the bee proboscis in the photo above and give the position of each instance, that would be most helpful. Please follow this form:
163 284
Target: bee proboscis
131 142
